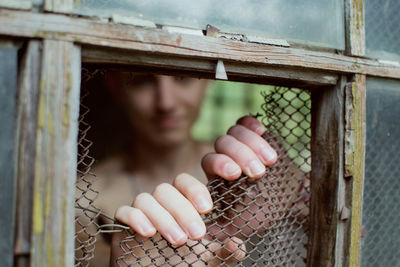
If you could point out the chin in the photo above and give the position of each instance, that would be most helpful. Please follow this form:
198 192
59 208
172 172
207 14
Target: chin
170 140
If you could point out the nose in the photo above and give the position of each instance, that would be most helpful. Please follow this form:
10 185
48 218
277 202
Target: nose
166 97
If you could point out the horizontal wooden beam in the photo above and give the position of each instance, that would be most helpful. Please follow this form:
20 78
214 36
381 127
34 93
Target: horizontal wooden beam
285 76
131 38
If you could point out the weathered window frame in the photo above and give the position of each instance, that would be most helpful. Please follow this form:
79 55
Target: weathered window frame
56 44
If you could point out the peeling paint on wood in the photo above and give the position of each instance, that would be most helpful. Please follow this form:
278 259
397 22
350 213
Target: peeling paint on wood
130 20
131 38
355 27
355 155
56 155
27 110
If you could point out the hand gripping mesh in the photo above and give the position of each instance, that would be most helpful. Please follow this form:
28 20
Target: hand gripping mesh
261 222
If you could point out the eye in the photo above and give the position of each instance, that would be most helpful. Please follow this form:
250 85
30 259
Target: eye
138 79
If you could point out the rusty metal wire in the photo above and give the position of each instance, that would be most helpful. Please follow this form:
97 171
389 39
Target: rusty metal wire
86 213
260 222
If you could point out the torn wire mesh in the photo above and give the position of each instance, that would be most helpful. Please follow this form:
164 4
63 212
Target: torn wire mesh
86 226
260 222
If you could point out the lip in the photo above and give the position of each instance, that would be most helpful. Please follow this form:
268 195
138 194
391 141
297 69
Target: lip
168 122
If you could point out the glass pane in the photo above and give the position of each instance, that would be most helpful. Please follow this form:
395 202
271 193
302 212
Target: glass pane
381 205
8 83
20 4
310 22
382 28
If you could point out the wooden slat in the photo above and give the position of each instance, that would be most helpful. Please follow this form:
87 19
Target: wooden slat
115 58
131 38
355 160
56 155
327 168
28 89
8 84
355 27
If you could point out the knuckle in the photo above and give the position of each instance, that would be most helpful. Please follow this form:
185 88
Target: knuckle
242 152
119 212
245 119
131 215
161 188
196 189
236 129
222 140
180 177
139 199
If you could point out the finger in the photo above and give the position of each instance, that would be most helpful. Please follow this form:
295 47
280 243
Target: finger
214 252
195 191
162 220
241 154
252 123
136 219
219 164
181 209
261 147
233 250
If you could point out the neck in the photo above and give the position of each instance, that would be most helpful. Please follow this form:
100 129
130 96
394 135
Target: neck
161 162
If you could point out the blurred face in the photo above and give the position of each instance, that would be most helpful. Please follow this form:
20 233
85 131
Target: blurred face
162 109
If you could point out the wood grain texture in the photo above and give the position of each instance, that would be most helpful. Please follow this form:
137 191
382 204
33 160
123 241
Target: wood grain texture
8 84
355 27
118 58
327 162
28 89
355 160
157 41
56 156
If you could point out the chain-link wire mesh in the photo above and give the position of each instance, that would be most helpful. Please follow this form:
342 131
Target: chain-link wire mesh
260 222
380 244
86 227
382 26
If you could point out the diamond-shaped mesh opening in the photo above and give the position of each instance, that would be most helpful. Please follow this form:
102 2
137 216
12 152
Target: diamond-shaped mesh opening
263 222
86 226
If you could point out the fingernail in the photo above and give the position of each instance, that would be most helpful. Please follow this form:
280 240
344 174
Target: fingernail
267 154
196 230
259 129
231 169
202 203
256 168
147 228
175 234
